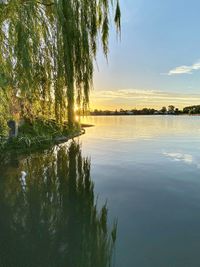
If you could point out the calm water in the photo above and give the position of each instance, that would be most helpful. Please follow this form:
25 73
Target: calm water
146 169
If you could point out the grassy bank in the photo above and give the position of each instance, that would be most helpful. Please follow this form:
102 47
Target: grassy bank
39 133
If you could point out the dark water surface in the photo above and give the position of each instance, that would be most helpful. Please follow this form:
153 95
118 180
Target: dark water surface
146 169
48 212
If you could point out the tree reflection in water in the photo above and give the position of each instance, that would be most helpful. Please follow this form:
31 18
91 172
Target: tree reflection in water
49 216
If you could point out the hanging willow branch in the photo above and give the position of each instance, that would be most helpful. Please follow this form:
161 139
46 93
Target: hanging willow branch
47 49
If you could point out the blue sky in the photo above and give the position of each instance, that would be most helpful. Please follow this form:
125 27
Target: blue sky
157 60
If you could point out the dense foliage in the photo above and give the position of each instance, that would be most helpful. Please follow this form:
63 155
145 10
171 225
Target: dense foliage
192 109
47 51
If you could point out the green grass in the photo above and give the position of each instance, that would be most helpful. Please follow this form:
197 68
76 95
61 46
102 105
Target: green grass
38 133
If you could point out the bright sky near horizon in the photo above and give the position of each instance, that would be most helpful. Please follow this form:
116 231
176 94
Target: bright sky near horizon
157 61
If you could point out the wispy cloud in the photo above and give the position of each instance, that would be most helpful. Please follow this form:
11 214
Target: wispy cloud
184 69
140 98
125 93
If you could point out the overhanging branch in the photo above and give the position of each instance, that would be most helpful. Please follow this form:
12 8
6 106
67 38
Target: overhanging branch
46 4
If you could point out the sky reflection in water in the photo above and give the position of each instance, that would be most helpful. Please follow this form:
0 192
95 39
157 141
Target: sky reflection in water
148 170
148 167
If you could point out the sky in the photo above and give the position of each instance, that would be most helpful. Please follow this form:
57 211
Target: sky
157 61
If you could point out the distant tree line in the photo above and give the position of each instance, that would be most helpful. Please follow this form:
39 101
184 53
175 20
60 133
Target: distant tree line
192 110
170 110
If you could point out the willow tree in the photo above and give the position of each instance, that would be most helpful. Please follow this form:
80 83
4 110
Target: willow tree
47 51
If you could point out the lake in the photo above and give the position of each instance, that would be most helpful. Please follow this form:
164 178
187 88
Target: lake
125 194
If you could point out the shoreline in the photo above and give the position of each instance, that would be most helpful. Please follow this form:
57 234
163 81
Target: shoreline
25 145
138 115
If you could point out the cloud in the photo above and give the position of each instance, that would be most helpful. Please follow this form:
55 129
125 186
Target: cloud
124 93
131 98
184 69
